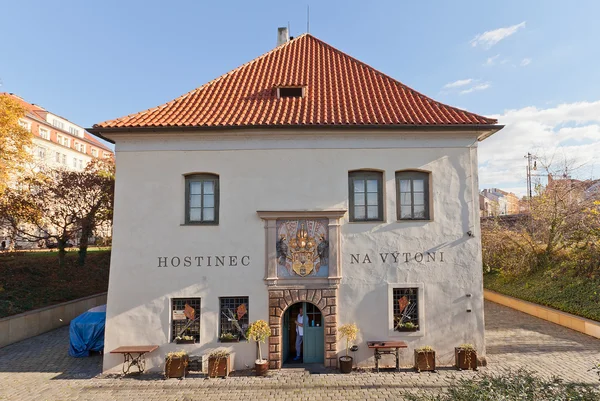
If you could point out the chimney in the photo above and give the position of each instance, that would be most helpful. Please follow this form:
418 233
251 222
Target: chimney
283 35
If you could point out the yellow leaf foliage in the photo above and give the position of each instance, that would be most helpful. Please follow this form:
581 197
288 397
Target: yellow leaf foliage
15 140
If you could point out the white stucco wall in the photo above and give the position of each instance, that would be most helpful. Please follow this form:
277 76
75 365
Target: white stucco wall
294 171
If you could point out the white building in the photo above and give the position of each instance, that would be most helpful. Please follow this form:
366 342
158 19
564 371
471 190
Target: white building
307 178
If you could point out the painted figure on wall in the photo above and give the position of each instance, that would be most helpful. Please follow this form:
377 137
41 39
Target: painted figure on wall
302 248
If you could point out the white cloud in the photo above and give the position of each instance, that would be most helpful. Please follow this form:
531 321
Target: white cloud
571 130
491 60
490 38
525 62
458 84
478 87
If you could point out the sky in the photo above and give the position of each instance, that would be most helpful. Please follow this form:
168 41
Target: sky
531 64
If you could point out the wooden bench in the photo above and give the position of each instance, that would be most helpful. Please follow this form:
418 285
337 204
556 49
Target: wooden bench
129 358
386 347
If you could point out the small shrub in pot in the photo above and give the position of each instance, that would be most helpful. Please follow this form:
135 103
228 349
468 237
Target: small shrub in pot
349 332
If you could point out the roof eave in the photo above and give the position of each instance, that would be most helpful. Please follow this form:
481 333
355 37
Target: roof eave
486 129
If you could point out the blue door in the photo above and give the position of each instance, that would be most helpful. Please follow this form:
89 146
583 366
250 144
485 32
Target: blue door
314 340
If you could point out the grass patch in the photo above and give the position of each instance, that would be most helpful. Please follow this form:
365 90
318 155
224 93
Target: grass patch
568 293
32 280
518 386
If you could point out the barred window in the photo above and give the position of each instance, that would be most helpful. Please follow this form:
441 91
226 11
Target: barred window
406 309
185 318
234 316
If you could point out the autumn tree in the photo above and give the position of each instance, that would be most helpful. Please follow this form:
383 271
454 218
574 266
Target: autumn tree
59 205
95 200
15 141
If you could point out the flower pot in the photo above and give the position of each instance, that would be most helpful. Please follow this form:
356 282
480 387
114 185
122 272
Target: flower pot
465 358
176 366
185 341
218 367
261 367
424 361
345 364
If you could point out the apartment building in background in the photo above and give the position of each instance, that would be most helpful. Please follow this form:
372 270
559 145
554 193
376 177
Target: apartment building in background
58 142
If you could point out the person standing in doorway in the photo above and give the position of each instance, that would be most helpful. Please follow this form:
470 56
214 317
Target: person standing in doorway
299 333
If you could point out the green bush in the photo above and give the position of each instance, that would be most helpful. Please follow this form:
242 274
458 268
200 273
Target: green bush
517 386
565 291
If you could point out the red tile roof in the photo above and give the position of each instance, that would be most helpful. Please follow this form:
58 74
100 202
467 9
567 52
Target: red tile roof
339 91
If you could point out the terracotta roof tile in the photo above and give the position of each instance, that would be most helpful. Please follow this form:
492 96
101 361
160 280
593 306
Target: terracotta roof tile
339 91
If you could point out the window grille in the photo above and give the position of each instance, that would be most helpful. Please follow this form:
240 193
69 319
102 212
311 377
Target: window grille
234 316
406 309
182 324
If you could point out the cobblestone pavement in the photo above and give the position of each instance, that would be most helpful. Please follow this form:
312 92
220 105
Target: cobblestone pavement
40 369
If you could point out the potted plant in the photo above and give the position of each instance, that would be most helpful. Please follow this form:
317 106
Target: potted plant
176 364
259 331
425 359
465 357
228 337
348 331
218 363
185 340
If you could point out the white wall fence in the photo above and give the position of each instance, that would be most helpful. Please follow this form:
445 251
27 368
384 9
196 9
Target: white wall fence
32 323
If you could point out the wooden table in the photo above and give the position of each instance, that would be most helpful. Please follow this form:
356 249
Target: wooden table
129 358
386 347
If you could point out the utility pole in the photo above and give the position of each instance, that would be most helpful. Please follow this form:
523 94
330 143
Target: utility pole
530 167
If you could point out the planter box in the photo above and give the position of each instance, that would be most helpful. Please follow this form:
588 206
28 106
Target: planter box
176 366
229 340
465 358
219 367
403 329
425 361
185 341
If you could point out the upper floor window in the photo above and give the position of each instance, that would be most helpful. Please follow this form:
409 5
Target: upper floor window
94 152
366 195
44 133
63 140
41 152
412 195
64 159
73 131
58 123
25 124
202 199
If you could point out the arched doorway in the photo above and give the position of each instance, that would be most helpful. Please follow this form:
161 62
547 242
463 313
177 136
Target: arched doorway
303 334
324 301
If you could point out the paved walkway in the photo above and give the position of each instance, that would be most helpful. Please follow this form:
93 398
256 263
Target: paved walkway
40 369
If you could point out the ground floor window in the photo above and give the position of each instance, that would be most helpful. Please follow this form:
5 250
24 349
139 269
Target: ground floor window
185 318
406 309
234 318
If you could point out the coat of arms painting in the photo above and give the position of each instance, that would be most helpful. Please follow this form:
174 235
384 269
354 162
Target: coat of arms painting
302 248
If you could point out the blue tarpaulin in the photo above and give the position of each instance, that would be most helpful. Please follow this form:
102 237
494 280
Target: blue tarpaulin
86 332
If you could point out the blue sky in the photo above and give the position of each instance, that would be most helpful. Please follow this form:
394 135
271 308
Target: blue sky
532 64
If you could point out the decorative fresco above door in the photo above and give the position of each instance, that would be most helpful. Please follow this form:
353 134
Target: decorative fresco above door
302 248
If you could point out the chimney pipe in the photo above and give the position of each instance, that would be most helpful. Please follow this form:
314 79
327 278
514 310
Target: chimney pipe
283 35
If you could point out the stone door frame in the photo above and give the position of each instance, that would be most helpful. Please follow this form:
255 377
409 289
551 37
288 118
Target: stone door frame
319 291
279 302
